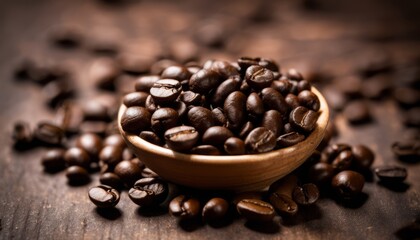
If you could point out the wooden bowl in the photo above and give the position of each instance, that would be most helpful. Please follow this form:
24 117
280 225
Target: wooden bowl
227 172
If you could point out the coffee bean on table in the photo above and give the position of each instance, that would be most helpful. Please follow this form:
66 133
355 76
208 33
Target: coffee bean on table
260 140
181 138
332 151
234 146
22 134
215 210
274 100
258 77
128 172
290 139
348 184
148 191
49 133
95 111
303 119
91 143
135 119
151 137
163 119
111 179
53 160
343 161
204 81
176 72
103 72
200 118
205 150
391 174
77 157
255 210
321 173
406 149
77 175
283 204
357 112
285 185
306 194
363 157
135 99
184 207
111 155
216 136
234 109
104 196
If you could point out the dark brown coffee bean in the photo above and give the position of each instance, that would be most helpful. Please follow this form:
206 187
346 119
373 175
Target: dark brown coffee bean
332 151
215 210
165 91
245 62
135 99
273 121
288 128
145 83
303 85
303 119
200 118
290 139
176 72
260 140
306 194
164 119
181 108
148 173
204 81
114 140
247 195
292 100
348 183
269 64
254 105
219 117
363 157
151 137
255 210
191 98
283 204
245 88
321 173
148 192
234 109
53 160
91 143
69 116
391 174
77 175
205 150
246 129
223 90
234 146
274 100
184 207
111 179
128 172
343 161
104 196
49 133
224 69
111 155
22 135
309 100
77 157
258 77
95 111
216 136
135 119
181 138
283 86
357 112
293 74
407 149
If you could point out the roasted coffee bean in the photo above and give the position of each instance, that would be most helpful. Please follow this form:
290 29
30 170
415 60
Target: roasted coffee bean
258 77
95 111
111 179
223 90
176 72
128 172
77 175
49 133
219 117
111 155
283 204
53 160
234 146
91 143
148 173
205 150
135 99
204 81
303 119
245 88
104 196
411 118
407 149
138 162
293 74
234 109
288 128
246 129
348 183
145 83
181 138
148 192
290 139
254 105
163 119
184 207
181 108
284 186
69 116
283 86
224 69
245 62
216 136
321 173
165 91
151 137
255 210
200 118
306 194
191 98
363 157
274 100
114 140
292 100
135 119
332 151
391 174
343 161
309 100
357 112
22 134
303 85
215 210
77 157
273 121
269 64
260 140
247 195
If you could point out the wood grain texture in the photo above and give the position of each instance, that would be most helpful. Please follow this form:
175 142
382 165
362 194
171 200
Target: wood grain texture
37 205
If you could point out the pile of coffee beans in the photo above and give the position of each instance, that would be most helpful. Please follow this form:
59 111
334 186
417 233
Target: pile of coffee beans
222 107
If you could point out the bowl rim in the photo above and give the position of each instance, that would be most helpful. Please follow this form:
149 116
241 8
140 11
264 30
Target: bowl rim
319 130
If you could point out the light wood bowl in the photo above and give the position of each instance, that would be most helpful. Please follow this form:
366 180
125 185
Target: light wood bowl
227 172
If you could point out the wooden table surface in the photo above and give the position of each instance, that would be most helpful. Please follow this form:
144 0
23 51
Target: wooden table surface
333 38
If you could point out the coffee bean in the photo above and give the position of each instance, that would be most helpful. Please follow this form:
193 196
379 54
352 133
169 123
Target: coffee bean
283 86
148 173
216 136
224 69
49 133
69 117
219 117
284 186
306 194
215 210
135 119
200 118
260 140
321 173
176 72
22 134
273 121
292 100
255 210
348 183
246 129
254 105
283 204
95 111
234 146
363 157
303 85
77 157
223 90
159 66
184 207
111 179
293 74
245 88
269 64
274 100
145 83
91 143
77 175
53 160
128 172
165 91
290 139
407 149
191 98
309 100
163 119
357 112
151 137
303 119
111 155
148 192
204 81
104 196
205 150
135 99
343 161
114 140
288 128
258 77
245 62
391 174
181 138
234 109
332 151
181 108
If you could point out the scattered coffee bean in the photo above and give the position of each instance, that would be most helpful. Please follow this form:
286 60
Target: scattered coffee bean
77 175
111 155
104 196
321 173
274 100
255 210
77 157
22 135
348 184
293 74
224 89
204 81
343 161
234 109
148 191
128 172
309 100
49 133
357 112
306 194
91 143
215 210
258 77
391 174
184 207
176 72
273 121
145 83
163 119
148 173
407 149
283 204
53 160
111 179
363 157
114 140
